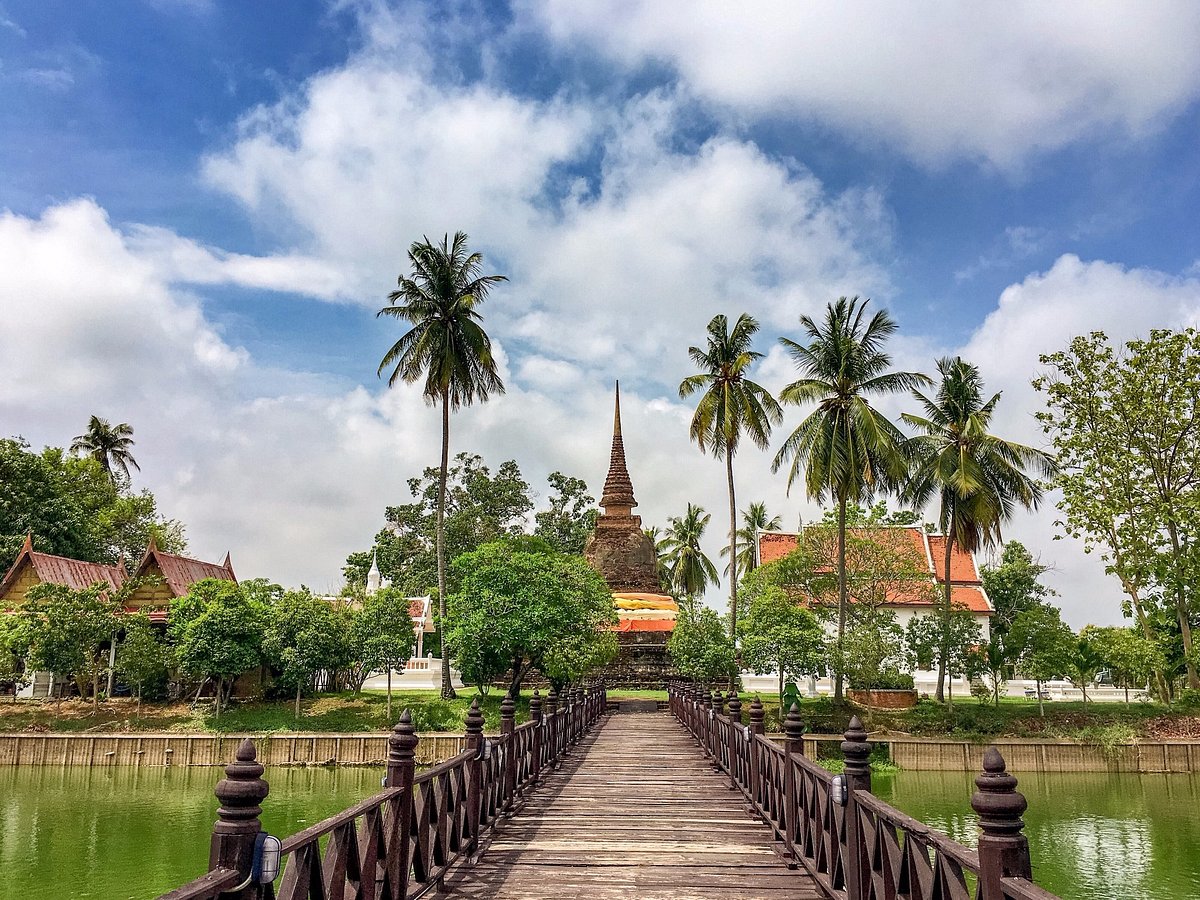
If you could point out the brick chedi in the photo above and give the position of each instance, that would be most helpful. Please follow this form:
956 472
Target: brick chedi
624 554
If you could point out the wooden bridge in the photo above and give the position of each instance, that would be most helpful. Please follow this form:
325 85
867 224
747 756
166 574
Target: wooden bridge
568 806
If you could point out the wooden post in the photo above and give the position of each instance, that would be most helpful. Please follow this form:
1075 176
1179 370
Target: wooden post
535 715
474 740
552 727
793 745
241 792
756 728
736 742
508 712
857 771
401 768
1003 847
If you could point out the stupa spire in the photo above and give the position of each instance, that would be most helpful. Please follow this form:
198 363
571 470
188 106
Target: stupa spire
617 499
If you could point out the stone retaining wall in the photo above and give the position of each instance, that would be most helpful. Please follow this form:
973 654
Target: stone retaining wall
213 750
1025 754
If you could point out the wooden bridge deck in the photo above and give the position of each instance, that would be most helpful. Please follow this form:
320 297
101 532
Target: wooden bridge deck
635 811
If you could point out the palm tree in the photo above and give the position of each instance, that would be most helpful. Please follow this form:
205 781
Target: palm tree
849 450
448 348
731 404
657 538
110 446
978 478
754 520
688 569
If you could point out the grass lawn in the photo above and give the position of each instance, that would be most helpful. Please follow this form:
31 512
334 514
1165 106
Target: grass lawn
326 712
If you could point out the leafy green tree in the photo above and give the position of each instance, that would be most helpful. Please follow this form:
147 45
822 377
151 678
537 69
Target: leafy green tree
1085 663
448 349
72 509
302 637
109 445
700 648
689 570
14 647
997 658
68 632
141 656
1014 584
979 479
877 516
923 636
1124 426
754 519
480 507
848 449
565 526
873 653
381 638
781 636
730 405
1045 645
216 631
519 605
1129 657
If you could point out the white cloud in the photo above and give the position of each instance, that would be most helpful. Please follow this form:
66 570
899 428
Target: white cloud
991 82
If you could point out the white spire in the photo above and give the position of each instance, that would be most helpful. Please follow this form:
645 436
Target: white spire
374 580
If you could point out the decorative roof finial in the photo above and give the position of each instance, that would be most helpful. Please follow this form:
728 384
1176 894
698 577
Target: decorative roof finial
617 498
374 579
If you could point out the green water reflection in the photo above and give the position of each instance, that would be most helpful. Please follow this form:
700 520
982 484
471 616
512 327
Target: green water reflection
134 833
1093 837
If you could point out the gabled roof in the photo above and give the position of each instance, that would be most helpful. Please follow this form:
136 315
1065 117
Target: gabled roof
181 572
51 569
928 552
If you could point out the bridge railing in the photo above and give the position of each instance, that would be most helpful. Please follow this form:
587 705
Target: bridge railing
400 843
852 843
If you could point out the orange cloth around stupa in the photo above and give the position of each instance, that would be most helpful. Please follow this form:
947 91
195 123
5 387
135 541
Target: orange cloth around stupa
638 611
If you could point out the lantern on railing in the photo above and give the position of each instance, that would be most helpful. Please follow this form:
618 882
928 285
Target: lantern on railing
267 852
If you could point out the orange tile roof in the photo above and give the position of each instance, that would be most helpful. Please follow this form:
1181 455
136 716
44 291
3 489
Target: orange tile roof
928 553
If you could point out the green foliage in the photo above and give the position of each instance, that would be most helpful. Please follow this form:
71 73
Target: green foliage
699 647
73 509
848 449
1123 422
109 445
521 605
1046 644
1130 658
754 519
302 636
873 653
1013 584
216 631
876 516
689 570
778 635
381 634
480 508
141 657
66 630
565 526
14 647
924 637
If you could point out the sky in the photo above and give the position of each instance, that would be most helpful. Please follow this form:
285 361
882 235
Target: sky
203 205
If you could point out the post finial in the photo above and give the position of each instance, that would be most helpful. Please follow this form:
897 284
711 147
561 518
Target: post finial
735 707
402 744
240 792
793 724
997 800
474 720
856 751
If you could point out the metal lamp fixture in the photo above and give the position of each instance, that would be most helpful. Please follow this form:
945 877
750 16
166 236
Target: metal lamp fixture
838 790
267 852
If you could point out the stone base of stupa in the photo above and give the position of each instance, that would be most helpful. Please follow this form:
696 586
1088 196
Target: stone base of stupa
642 662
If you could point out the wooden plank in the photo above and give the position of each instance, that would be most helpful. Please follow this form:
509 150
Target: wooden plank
634 811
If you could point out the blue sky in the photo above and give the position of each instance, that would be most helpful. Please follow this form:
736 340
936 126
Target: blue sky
205 203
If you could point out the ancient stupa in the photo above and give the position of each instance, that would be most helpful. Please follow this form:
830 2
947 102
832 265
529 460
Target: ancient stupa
624 554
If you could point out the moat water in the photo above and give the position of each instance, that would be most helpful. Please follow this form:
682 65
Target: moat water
134 833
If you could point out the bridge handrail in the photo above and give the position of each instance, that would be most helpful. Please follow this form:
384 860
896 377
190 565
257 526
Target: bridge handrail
400 843
858 846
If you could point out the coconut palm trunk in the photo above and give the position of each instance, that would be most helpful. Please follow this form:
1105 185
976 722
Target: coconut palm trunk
733 562
447 685
843 600
947 607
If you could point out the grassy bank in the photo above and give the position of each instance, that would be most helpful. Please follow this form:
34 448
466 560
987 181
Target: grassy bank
343 713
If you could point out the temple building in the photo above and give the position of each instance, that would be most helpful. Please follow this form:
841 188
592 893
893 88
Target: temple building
625 556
